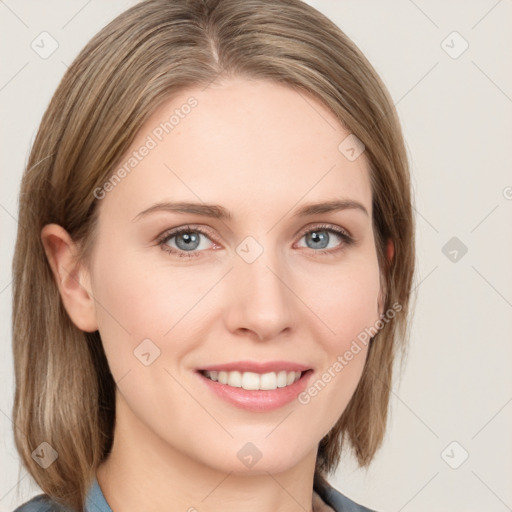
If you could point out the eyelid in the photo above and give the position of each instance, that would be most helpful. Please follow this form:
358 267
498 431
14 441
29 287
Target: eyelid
172 232
192 227
328 227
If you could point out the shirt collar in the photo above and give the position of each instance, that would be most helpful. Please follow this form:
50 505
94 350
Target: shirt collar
96 501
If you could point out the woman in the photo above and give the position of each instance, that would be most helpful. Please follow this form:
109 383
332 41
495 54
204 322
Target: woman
213 269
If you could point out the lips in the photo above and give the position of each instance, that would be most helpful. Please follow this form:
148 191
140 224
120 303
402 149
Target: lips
257 367
256 400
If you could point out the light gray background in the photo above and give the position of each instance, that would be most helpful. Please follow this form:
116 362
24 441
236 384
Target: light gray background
456 115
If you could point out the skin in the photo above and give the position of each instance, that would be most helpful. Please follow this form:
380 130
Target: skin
260 150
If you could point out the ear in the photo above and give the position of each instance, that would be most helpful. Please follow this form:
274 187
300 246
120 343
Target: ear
72 278
390 253
390 250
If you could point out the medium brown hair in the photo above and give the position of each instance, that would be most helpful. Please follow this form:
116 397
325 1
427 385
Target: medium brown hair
65 393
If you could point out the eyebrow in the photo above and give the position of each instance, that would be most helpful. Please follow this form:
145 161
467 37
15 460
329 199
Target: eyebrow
219 212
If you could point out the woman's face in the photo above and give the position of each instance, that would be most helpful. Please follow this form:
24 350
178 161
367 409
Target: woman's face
259 275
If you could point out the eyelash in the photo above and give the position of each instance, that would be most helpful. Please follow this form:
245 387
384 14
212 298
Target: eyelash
168 235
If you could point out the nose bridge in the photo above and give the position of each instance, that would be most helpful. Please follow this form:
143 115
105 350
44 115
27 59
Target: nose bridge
262 300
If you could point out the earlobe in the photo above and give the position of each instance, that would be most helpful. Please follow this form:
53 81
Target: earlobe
71 277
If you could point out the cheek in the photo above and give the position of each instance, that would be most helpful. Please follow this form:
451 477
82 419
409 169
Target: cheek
137 301
345 303
345 300
130 307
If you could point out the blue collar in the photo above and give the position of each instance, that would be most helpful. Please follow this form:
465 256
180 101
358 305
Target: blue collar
95 501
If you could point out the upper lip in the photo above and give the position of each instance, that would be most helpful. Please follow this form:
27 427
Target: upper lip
257 367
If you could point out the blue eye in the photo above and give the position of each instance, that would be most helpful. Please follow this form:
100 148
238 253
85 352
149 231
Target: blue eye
319 238
186 241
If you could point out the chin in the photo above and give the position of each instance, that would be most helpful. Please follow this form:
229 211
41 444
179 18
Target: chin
258 458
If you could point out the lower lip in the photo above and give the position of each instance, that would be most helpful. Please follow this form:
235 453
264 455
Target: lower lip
258 400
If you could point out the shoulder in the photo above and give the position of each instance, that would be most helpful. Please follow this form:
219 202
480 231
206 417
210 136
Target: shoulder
41 503
338 501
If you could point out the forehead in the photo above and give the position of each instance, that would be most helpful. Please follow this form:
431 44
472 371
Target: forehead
243 143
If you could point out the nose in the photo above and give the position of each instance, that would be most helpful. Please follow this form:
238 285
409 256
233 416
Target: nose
261 300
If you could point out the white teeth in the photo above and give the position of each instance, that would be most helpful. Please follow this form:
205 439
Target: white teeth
269 380
254 381
281 379
250 380
235 379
